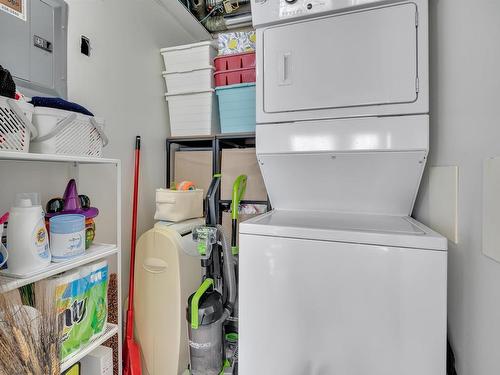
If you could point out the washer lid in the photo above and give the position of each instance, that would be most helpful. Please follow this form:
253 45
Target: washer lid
383 230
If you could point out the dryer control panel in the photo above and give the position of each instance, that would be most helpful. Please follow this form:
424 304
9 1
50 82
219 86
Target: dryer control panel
266 12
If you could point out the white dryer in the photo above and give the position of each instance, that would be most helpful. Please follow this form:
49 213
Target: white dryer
338 278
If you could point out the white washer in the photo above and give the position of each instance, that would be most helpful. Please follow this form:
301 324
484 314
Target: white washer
348 294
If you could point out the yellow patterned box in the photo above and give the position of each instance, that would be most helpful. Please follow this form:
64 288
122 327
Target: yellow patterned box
237 42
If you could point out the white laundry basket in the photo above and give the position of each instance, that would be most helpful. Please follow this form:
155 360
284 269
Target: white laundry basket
178 205
192 80
193 113
16 128
189 56
67 133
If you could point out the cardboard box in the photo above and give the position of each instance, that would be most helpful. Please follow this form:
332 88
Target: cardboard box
194 166
236 162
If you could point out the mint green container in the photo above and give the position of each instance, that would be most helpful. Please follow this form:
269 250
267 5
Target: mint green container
237 108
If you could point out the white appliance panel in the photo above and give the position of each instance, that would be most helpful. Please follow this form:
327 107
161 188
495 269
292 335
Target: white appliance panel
356 182
371 229
273 11
322 308
356 63
395 133
357 59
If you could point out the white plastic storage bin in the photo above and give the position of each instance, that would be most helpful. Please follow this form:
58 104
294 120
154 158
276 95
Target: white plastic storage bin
16 128
194 113
189 56
178 205
67 133
193 80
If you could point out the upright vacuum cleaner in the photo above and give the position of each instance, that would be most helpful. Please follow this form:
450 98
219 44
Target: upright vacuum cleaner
213 304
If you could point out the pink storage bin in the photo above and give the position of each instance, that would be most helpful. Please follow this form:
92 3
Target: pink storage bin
237 61
234 77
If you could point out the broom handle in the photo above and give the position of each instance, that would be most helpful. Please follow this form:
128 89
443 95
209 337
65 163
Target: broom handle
130 315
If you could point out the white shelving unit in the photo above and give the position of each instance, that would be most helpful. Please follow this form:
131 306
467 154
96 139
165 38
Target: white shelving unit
111 252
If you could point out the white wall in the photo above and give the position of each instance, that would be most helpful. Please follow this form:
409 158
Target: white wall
465 99
122 82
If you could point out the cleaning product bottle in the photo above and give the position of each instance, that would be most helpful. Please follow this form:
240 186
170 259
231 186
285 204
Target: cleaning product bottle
27 238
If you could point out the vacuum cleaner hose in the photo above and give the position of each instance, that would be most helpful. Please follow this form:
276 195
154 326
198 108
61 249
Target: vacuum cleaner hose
228 270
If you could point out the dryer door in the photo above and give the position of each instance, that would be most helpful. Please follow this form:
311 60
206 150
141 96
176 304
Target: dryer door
343 65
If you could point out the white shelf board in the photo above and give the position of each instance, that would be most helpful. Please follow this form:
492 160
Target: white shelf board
95 252
28 156
109 331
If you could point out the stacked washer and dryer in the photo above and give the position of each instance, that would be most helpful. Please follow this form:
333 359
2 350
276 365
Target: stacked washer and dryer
338 278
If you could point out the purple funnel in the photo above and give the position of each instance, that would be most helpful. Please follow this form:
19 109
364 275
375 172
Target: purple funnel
72 203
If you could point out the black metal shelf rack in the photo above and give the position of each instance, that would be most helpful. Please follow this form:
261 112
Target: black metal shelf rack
215 144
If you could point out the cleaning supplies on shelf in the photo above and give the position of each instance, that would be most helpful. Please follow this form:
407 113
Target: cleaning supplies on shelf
81 301
67 133
28 241
75 204
178 205
67 236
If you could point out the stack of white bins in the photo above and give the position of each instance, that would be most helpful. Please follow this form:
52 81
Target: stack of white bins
191 98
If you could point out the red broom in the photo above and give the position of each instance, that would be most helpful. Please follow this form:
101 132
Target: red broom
131 350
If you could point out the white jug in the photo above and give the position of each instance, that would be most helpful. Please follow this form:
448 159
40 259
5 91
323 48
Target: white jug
27 239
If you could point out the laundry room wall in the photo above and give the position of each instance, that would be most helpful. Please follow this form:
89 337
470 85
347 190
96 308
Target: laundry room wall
121 81
465 97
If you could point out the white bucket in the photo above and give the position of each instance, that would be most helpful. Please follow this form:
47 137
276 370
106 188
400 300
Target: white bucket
193 113
193 80
189 56
178 205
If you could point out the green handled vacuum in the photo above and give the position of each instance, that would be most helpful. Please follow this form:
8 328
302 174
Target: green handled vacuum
210 307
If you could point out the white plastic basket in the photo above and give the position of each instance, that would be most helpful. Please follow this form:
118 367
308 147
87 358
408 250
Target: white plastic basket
67 133
194 113
189 56
178 205
193 80
16 128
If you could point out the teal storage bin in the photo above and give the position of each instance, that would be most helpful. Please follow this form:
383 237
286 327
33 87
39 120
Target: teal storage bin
237 108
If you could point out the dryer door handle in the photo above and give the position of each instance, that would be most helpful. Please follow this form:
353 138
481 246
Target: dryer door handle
285 66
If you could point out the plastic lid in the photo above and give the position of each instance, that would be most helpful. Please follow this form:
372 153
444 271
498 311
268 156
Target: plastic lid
27 200
63 224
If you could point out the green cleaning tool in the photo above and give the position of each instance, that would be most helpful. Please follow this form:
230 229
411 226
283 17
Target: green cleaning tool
239 188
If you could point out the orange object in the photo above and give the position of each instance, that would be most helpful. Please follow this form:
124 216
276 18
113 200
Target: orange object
185 185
